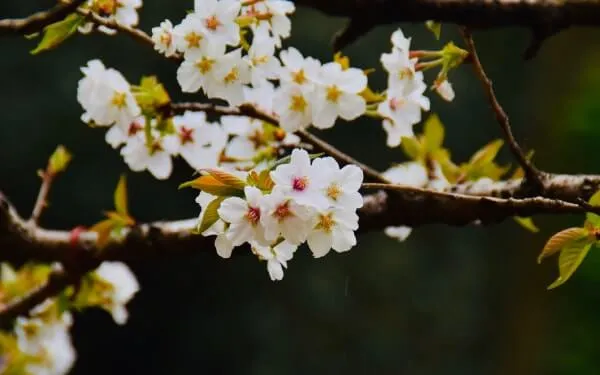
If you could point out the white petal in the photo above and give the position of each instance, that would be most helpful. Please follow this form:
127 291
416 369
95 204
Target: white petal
233 209
319 243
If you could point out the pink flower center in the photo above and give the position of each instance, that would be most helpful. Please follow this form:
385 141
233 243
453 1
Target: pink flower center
134 127
253 215
283 211
185 135
300 183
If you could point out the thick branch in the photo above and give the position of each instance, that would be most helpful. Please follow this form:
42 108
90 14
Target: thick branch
461 205
473 13
36 22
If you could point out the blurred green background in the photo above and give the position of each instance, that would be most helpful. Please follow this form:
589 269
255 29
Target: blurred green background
447 301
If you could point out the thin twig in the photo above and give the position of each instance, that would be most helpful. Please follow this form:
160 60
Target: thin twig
532 174
42 199
339 155
37 21
252 112
135 33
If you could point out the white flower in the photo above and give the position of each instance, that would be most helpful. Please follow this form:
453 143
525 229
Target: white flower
156 157
48 342
334 229
445 90
261 96
163 39
276 257
200 143
400 68
106 96
411 173
198 69
231 73
283 216
248 140
217 18
123 12
297 69
299 180
189 36
264 65
293 107
223 245
341 185
122 287
116 136
400 233
337 94
275 12
400 41
244 217
401 111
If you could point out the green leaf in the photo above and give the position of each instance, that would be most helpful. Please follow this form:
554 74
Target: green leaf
434 27
562 239
412 148
569 260
103 228
213 186
434 133
210 214
592 219
261 180
151 94
527 223
58 32
120 197
486 154
59 160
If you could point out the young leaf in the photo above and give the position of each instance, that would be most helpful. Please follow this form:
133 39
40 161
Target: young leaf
151 94
212 186
487 154
527 223
412 148
569 260
592 219
561 240
59 160
58 32
262 181
120 197
103 229
434 133
226 178
434 27
210 214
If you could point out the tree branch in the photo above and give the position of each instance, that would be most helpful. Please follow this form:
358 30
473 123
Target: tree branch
36 22
460 205
532 175
542 17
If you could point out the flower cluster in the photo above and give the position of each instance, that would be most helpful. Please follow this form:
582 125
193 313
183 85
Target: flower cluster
405 99
41 343
277 210
123 12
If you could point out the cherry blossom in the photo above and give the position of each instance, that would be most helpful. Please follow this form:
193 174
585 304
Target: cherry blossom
244 217
163 39
276 257
334 229
337 95
121 286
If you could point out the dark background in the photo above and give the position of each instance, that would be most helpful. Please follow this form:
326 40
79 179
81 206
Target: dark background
449 300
